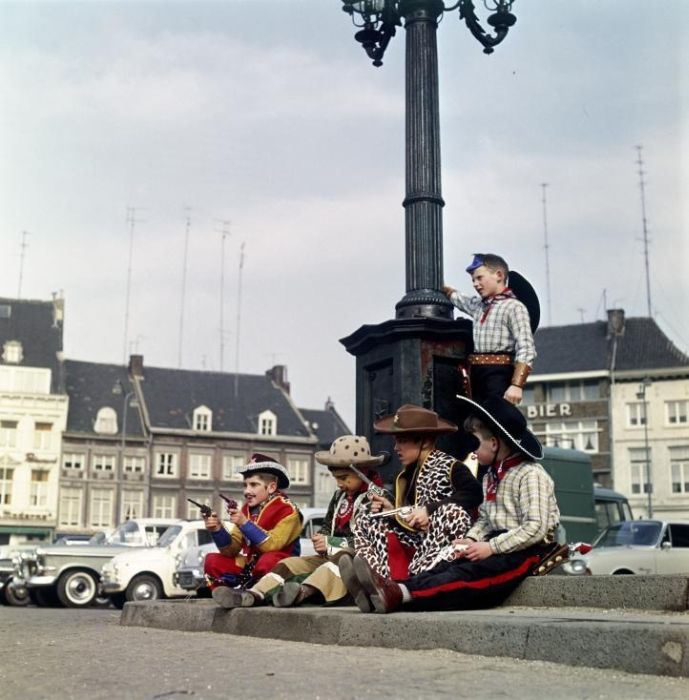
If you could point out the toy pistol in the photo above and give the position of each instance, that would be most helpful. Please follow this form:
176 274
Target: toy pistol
372 488
205 510
403 511
231 503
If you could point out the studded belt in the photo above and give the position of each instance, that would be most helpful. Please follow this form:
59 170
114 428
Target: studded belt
490 359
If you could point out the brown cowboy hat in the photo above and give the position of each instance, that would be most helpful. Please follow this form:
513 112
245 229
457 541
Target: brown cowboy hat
347 450
413 419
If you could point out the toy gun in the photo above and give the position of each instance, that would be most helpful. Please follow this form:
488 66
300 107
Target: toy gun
377 490
231 503
206 511
403 511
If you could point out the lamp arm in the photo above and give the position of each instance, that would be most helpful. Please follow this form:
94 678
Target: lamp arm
502 20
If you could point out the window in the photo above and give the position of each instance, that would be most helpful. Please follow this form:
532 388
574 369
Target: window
73 460
679 469
106 421
134 464
638 464
192 511
199 466
101 508
42 435
8 433
132 505
203 419
324 482
231 464
573 434
679 534
164 506
267 423
582 390
6 475
636 414
528 396
70 507
5 311
298 469
166 464
12 352
38 491
676 412
103 463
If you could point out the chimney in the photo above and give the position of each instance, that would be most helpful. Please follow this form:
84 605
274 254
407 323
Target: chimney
329 405
278 374
615 322
136 366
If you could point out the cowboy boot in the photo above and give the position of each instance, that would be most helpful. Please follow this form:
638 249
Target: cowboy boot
351 582
385 595
234 597
292 594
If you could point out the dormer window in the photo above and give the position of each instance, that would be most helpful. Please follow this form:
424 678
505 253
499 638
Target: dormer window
203 419
12 352
267 423
106 421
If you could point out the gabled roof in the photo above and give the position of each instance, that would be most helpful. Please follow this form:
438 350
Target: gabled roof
326 423
171 395
587 347
90 387
38 328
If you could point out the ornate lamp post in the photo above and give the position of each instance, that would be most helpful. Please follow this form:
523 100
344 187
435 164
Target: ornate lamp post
414 358
641 396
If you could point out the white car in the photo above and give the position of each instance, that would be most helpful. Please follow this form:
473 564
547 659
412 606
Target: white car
148 574
641 547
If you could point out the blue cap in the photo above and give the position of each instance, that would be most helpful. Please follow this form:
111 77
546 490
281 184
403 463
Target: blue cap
476 262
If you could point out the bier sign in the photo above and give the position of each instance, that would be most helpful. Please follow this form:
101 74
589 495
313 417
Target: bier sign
548 410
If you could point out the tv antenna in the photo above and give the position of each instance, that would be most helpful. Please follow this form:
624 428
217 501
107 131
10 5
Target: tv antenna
546 248
642 188
239 316
131 222
224 234
23 245
184 285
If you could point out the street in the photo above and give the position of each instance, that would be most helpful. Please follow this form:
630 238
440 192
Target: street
85 654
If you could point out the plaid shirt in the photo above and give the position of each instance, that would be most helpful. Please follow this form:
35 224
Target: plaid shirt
524 505
506 328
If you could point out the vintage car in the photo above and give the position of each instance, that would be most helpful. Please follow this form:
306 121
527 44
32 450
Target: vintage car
148 574
641 547
13 589
69 575
189 574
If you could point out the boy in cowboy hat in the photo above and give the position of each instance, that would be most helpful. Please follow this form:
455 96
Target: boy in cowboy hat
439 491
317 578
504 320
266 529
514 533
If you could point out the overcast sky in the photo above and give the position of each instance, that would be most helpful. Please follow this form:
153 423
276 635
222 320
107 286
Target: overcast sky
268 114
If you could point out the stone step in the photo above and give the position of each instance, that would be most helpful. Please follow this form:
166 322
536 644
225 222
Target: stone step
627 640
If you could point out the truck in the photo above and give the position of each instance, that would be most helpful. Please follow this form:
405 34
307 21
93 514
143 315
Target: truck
586 509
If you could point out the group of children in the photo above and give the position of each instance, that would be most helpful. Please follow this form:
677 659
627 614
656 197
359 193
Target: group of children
441 540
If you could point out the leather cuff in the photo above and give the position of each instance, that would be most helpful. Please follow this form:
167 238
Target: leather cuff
520 374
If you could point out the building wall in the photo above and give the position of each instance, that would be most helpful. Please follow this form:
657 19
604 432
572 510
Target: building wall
668 444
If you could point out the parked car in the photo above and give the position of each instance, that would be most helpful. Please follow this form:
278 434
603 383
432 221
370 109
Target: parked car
189 574
13 589
148 574
69 575
641 547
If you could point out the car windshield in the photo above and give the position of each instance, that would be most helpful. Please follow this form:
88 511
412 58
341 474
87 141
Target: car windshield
169 535
631 532
127 533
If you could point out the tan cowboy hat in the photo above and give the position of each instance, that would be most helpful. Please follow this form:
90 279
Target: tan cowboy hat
350 450
414 420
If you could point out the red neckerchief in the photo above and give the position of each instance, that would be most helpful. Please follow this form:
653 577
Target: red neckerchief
496 475
507 293
346 509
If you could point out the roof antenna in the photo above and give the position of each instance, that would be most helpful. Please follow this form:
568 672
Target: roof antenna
642 187
23 245
184 286
224 234
239 316
546 248
131 221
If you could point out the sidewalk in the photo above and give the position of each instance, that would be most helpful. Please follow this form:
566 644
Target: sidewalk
560 629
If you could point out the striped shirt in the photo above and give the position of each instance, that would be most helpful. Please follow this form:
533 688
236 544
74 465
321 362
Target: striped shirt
506 328
524 506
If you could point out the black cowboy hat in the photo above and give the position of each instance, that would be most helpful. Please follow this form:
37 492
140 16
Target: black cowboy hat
509 421
527 295
262 464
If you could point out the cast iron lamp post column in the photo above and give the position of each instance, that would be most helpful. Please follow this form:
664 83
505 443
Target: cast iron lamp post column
641 395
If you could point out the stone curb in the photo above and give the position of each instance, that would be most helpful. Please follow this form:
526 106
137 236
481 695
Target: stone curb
636 642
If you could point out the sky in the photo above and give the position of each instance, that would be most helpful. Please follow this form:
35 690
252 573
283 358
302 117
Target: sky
268 115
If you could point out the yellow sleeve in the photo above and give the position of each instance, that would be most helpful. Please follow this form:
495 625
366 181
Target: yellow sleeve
284 533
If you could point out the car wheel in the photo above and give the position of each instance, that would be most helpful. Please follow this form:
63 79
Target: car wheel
118 600
623 572
44 597
15 595
77 588
144 587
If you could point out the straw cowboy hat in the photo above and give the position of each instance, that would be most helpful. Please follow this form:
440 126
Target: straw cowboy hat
509 422
266 465
413 419
350 450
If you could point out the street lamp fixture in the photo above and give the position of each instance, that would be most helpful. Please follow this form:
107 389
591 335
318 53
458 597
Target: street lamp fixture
118 390
641 396
378 21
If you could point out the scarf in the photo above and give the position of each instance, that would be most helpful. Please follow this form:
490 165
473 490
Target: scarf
496 474
507 293
346 508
